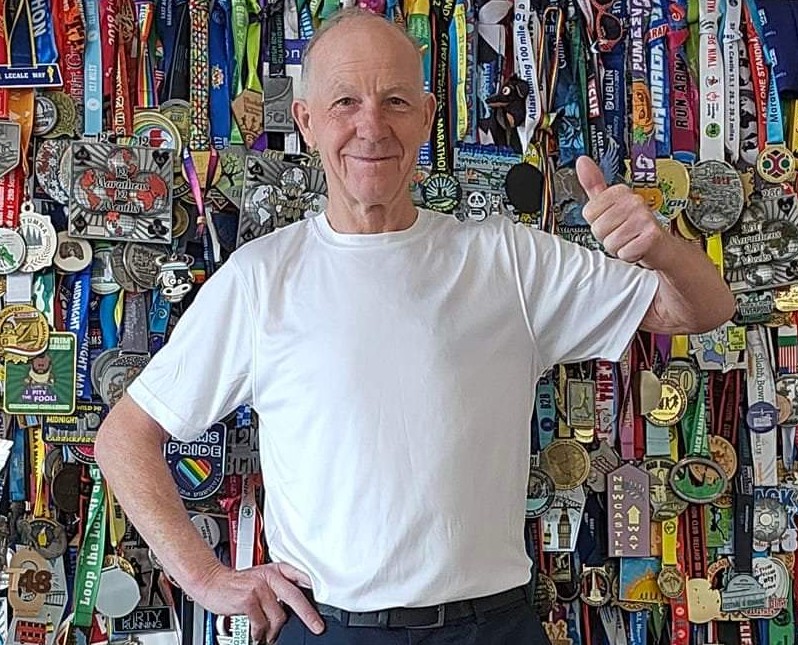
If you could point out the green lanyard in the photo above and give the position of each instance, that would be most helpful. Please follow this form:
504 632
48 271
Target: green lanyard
90 559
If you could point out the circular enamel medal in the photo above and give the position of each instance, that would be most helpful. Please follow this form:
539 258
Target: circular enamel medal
776 164
441 192
12 251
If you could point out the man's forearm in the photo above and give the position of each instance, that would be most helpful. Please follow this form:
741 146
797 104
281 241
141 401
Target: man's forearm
129 453
692 296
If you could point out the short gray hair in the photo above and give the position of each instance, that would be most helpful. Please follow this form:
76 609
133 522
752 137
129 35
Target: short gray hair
339 18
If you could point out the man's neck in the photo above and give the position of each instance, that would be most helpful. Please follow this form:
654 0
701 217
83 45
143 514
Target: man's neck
356 218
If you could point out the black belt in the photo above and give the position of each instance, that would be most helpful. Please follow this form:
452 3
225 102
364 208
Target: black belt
428 617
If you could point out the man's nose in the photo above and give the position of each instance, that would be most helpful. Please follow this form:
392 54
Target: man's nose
372 123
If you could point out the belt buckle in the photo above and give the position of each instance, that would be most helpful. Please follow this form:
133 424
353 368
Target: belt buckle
438 622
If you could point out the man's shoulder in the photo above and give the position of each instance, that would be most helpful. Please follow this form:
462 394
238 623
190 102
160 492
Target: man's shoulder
266 249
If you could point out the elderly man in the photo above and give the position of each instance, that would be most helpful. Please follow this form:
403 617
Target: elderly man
391 354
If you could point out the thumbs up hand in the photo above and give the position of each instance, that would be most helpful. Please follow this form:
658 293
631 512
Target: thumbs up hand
618 218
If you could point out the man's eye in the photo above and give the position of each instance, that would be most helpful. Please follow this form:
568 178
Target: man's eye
395 100
344 102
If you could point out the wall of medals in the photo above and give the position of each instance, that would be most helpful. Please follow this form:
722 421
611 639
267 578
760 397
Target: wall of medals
142 141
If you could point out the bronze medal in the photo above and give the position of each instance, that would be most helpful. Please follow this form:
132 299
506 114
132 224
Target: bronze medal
567 463
671 581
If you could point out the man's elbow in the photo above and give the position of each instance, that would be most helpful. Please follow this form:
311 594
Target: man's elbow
126 430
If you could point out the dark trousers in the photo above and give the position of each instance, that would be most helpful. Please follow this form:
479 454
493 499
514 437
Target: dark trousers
518 624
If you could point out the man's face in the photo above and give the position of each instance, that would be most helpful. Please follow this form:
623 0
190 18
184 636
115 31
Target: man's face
365 111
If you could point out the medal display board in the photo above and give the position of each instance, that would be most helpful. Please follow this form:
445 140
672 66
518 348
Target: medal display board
141 143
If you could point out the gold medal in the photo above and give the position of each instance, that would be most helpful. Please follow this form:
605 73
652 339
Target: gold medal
24 332
776 164
671 406
566 461
670 581
674 183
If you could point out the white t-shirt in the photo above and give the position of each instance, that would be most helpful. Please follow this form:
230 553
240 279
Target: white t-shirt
394 376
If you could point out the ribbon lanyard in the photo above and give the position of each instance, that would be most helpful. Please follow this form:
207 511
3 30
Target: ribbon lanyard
198 76
419 28
744 504
644 151
31 38
759 76
526 52
440 190
459 69
77 322
221 64
145 89
682 85
658 77
90 559
732 37
762 415
775 163
712 83
92 71
598 140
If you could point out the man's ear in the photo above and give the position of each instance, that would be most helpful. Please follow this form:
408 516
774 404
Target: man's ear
428 109
301 114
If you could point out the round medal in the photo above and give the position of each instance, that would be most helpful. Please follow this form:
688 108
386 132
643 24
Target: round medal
441 192
539 493
698 480
716 196
596 587
121 275
723 454
673 180
524 188
787 386
683 373
99 364
40 239
73 253
776 164
24 331
118 374
47 538
672 405
12 251
665 505
141 263
762 417
208 528
157 130
118 592
545 595
65 488
670 581
180 220
785 408
770 519
567 463
45 116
